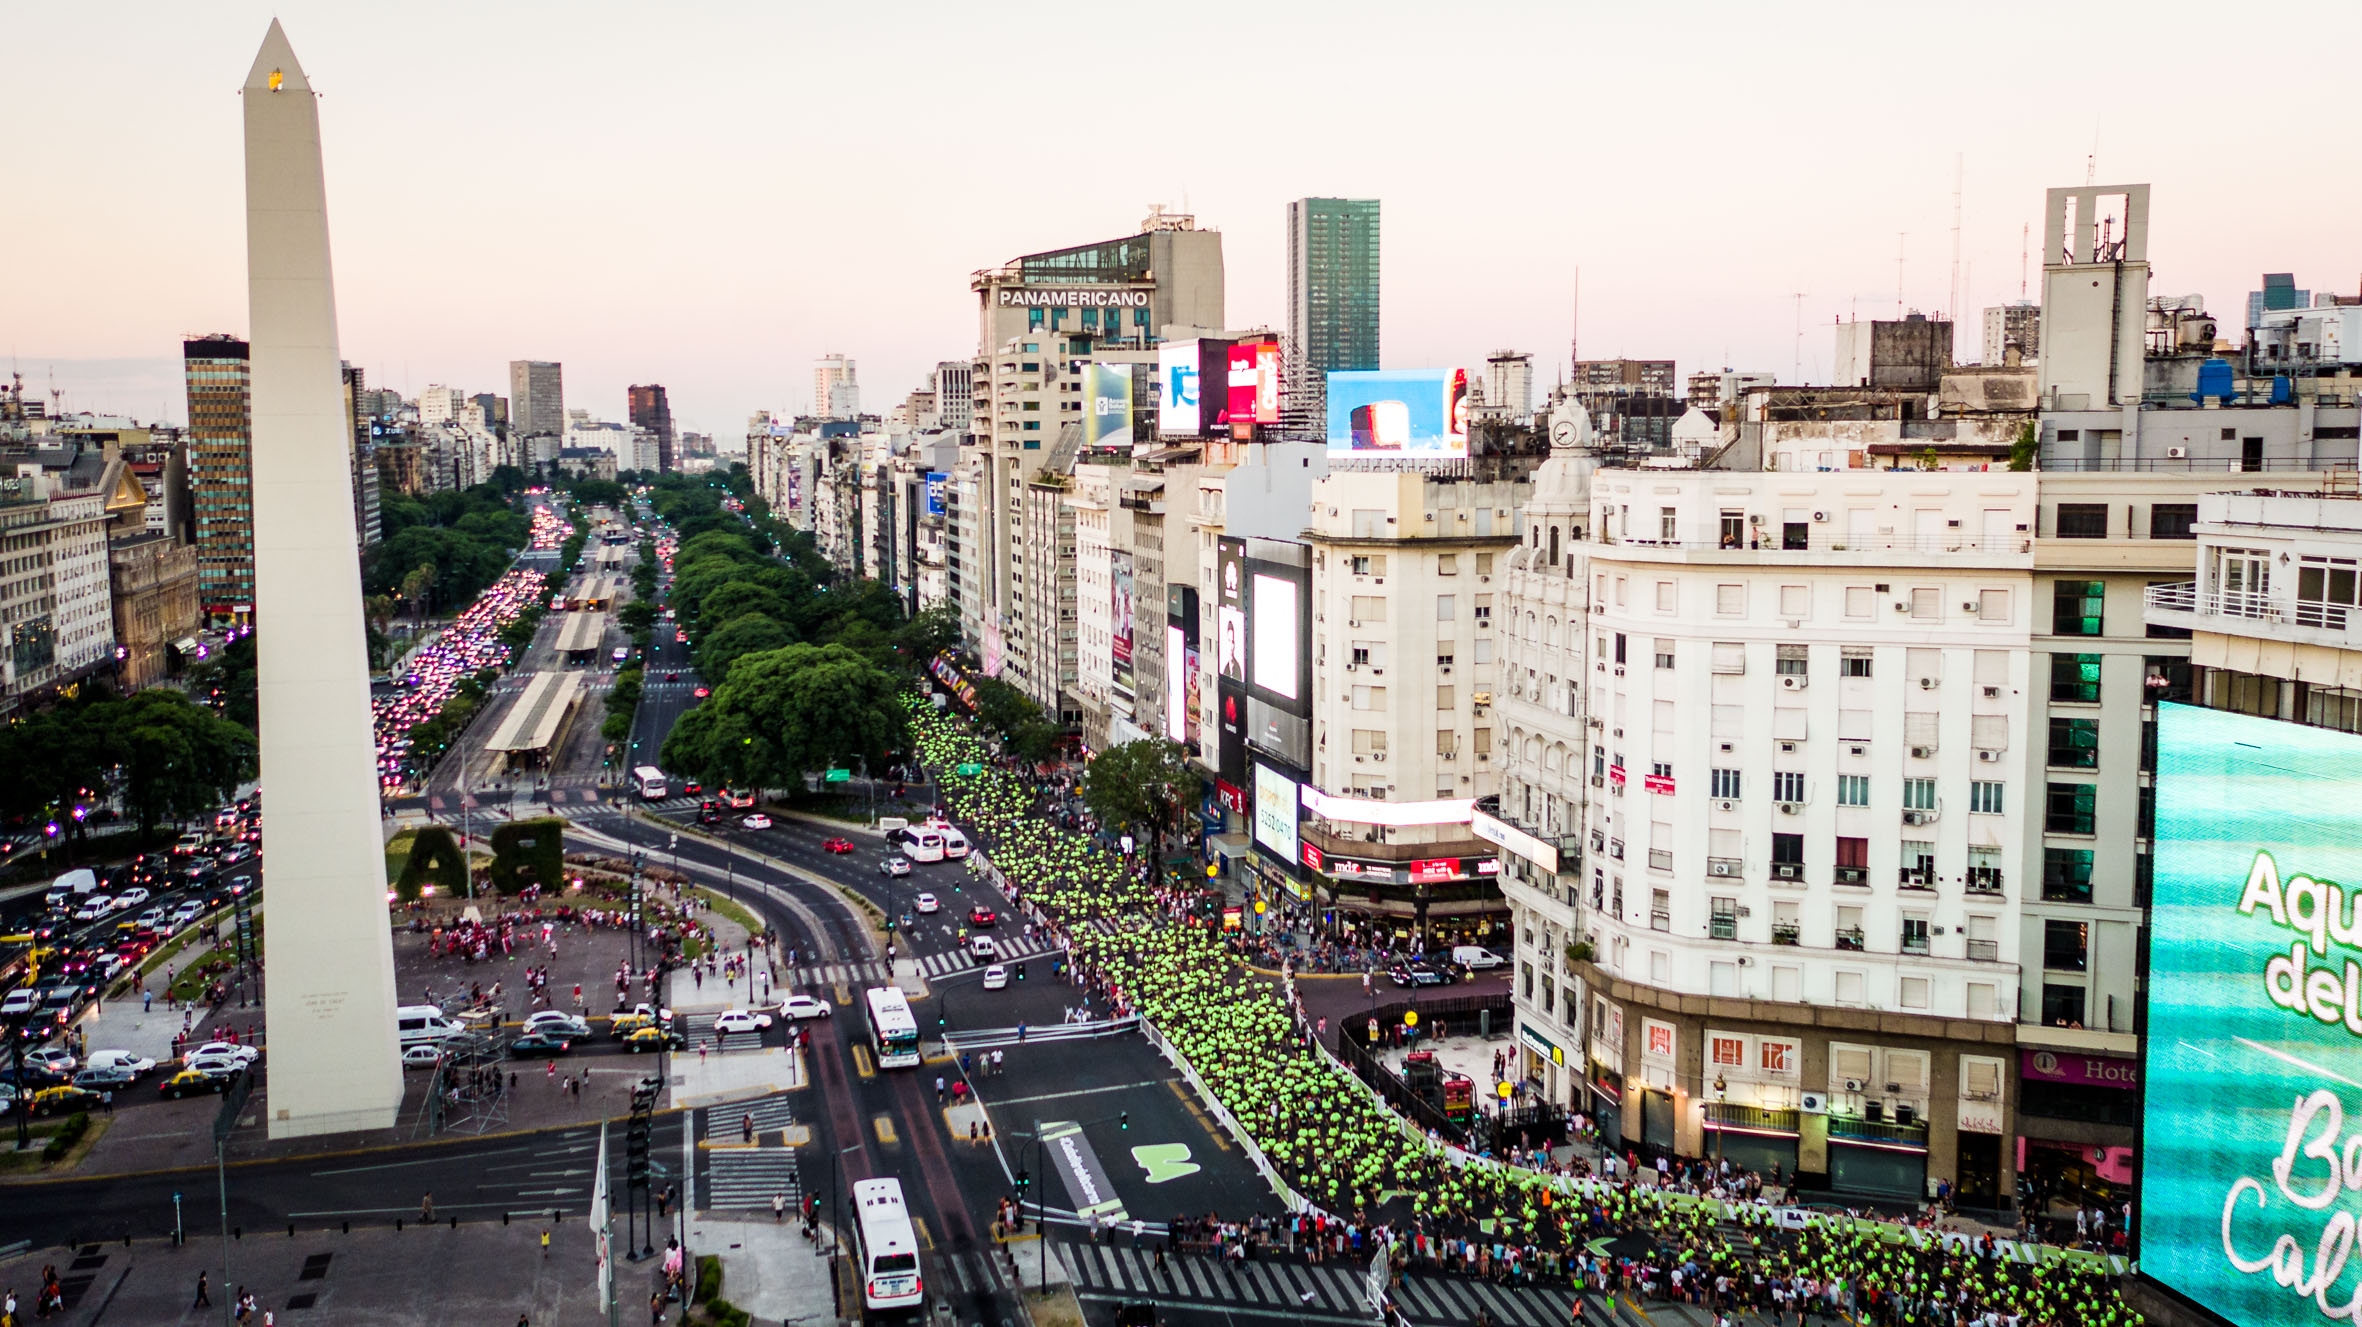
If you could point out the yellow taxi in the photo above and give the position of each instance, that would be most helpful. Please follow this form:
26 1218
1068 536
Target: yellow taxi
63 1099
651 1039
189 1082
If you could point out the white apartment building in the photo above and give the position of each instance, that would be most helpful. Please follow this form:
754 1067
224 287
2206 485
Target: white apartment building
56 607
1091 503
439 405
1405 629
836 392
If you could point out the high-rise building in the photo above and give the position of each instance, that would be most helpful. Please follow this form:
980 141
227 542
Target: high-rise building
364 458
537 398
494 409
952 386
1332 295
836 394
651 411
2011 327
2279 292
221 473
1509 384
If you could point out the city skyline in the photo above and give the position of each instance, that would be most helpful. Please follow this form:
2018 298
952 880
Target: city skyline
563 257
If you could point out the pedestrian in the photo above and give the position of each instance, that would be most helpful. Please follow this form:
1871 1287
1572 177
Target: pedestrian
204 1301
656 1308
545 1243
746 1128
778 1207
938 1089
426 1207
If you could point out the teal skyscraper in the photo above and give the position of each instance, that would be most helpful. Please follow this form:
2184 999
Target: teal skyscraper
1332 295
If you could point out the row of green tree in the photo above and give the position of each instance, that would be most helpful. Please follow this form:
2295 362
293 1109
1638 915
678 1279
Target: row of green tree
806 668
168 758
442 549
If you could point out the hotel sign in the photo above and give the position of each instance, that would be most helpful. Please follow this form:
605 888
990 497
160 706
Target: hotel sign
1072 297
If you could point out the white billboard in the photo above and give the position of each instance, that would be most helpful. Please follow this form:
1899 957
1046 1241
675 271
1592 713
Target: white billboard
1177 409
1275 812
1275 647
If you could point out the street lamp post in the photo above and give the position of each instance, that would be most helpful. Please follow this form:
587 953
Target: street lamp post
1721 1091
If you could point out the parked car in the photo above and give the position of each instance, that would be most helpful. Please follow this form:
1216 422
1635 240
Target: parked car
800 1007
105 1080
190 1081
421 1057
241 1053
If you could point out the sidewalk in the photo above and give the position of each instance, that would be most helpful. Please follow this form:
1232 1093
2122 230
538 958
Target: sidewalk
768 1268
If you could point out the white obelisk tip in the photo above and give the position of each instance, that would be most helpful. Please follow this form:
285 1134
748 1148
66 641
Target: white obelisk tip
275 69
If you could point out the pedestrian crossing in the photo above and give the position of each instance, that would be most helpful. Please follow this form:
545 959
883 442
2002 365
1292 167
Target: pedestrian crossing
699 1029
749 1177
972 1273
935 967
1114 1271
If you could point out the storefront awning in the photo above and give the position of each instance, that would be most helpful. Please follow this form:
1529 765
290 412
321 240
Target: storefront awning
186 645
1230 846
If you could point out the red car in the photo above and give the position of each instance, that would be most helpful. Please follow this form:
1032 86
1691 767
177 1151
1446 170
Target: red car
701 693
982 917
838 845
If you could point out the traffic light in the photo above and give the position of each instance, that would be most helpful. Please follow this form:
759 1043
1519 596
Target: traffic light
1124 1120
889 924
1023 1180
1021 972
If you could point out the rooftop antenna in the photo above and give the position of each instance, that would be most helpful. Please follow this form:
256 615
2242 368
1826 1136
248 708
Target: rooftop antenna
2091 164
1900 237
1574 327
2025 238
1796 369
1959 176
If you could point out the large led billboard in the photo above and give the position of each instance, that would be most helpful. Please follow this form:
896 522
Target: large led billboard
1398 412
1254 383
1274 650
1119 621
2249 1176
1177 373
1275 812
1107 405
935 480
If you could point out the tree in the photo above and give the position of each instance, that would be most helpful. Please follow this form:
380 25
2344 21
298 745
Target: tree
228 681
785 712
177 761
636 615
2028 445
418 587
930 633
1140 786
734 640
1003 708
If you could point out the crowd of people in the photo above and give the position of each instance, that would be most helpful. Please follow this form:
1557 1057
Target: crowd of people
1356 1163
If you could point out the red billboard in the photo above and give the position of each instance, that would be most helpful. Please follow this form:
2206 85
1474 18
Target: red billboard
1253 395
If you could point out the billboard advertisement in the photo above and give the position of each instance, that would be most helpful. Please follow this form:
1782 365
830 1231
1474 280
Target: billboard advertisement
1275 812
935 482
1399 412
2254 1019
1177 407
1274 650
1107 405
1254 383
1181 664
1230 662
1119 620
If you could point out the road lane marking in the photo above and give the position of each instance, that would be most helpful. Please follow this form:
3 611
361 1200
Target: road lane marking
1078 1092
885 1128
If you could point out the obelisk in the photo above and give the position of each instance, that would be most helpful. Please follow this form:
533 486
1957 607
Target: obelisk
328 993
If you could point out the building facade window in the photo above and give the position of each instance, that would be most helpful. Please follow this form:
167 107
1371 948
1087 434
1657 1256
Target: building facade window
1788 786
2066 875
2078 608
2070 808
2066 946
2075 743
2075 678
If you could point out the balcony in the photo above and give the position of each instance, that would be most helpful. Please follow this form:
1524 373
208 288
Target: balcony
1725 866
1660 921
1852 940
1984 880
1660 859
1754 1119
1770 544
1786 933
1723 926
1984 951
2240 613
1852 875
1916 877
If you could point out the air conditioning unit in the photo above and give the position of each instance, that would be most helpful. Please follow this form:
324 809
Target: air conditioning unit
1745 961
1922 752
1791 808
1349 668
1721 868
1992 693
1918 817
1857 751
1446 668
1726 804
1619 670
1357 760
1902 606
1927 684
1379 756
1725 746
1788 748
2177 453
1853 1084
1598 722
1619 732
1812 1103
1352 622
1792 681
1821 517
1989 756
1754 518
1968 605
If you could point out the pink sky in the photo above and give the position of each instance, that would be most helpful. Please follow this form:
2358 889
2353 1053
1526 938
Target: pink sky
711 196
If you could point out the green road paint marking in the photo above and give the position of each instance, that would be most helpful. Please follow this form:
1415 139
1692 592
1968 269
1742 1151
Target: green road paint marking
1164 1161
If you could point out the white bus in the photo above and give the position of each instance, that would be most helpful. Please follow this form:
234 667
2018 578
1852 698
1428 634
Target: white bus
889 1248
920 843
650 781
893 1033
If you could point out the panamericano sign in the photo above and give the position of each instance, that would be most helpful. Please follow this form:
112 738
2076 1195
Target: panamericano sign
1072 297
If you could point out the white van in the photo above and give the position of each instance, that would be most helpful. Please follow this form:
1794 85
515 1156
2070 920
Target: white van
920 843
68 890
424 1025
955 844
1476 958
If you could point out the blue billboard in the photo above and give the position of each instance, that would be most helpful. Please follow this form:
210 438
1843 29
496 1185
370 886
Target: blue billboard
934 480
2249 1178
1398 412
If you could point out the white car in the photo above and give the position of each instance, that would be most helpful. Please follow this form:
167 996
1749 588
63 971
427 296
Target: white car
186 913
242 1054
926 903
22 1000
50 1059
136 1064
217 1065
996 977
421 1057
801 1007
152 920
740 1020
757 821
559 1022
895 866
95 907
984 948
133 897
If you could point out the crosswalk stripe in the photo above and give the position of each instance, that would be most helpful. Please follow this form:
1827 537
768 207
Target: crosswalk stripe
1456 1303
1342 1288
1199 1277
1115 1270
1066 1260
959 1271
1265 1281
1416 1293
1513 1307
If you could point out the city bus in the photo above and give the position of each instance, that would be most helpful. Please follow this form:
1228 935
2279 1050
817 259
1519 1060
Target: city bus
920 843
893 1033
887 1245
650 781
